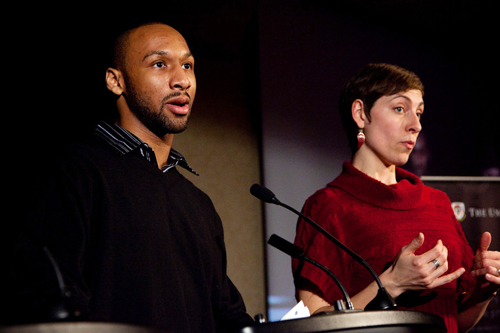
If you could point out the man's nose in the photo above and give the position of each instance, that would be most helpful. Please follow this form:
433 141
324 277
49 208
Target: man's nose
179 78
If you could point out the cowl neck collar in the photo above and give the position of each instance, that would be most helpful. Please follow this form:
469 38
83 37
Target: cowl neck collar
408 193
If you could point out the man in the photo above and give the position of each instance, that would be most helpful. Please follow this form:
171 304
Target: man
136 242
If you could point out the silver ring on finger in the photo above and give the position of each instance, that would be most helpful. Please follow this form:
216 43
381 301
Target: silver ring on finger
436 263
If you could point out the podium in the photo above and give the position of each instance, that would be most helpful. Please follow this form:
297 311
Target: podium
339 321
78 327
356 322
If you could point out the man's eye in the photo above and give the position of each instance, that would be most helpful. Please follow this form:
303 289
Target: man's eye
187 66
159 64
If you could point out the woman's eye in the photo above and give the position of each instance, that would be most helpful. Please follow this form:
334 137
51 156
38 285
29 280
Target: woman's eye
399 109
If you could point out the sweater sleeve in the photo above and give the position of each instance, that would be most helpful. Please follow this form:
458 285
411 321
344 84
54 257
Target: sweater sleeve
231 311
466 282
317 247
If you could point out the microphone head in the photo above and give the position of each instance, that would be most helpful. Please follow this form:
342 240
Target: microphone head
285 246
263 193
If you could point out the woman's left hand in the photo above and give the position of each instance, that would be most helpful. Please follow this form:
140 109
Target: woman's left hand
486 269
487 265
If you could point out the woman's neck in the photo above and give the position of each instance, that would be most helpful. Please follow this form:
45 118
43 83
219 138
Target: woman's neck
375 168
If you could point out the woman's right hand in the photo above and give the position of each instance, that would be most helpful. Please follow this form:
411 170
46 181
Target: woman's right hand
418 272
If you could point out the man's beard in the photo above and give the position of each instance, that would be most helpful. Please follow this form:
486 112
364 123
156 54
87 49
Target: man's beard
156 120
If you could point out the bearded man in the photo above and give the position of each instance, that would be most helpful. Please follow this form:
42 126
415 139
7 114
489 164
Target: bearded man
135 241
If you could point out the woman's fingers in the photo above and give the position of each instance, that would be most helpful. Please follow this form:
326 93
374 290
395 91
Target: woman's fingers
430 266
446 278
435 253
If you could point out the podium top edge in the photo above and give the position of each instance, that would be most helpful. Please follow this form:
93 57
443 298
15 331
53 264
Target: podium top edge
459 179
355 320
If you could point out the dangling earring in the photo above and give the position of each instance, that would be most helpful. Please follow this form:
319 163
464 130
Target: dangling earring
361 137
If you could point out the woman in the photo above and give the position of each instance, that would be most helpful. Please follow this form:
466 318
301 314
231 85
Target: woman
406 231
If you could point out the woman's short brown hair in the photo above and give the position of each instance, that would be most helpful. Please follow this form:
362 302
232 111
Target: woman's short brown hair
369 84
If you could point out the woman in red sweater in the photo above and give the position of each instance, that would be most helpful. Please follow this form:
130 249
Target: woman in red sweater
406 231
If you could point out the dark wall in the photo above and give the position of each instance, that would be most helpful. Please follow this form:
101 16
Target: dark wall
451 46
318 45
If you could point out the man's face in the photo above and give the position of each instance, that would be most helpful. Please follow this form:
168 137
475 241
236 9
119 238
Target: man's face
160 84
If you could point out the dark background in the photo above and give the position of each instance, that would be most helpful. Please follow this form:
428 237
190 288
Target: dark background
450 44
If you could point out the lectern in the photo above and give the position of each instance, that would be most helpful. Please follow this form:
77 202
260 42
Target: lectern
356 322
78 327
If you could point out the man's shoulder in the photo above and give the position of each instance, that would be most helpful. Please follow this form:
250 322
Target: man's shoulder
90 149
91 144
74 157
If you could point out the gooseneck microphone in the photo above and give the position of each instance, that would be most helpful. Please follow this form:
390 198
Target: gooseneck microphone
296 252
382 301
61 310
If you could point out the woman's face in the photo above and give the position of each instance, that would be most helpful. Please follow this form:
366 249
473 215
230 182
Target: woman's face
394 127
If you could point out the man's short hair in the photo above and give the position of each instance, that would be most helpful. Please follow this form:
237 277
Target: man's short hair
121 43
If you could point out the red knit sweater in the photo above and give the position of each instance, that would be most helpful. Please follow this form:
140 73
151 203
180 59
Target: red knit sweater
375 221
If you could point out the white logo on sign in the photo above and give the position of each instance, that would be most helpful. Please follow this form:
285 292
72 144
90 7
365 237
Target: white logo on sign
459 210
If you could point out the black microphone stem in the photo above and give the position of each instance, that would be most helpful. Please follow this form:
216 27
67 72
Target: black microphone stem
347 299
383 300
57 271
335 240
296 252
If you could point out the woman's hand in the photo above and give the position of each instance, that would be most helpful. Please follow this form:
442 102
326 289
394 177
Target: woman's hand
487 266
419 272
486 269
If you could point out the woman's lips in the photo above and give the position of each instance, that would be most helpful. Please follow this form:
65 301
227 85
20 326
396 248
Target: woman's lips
409 144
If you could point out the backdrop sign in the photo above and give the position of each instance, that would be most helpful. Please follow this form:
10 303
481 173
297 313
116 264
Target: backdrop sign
476 203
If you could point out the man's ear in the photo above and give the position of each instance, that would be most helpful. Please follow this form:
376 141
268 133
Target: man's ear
358 113
114 81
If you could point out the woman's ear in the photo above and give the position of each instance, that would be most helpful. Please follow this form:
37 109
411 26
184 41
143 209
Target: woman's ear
358 113
114 81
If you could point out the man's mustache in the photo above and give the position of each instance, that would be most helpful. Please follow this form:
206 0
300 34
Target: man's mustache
175 94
